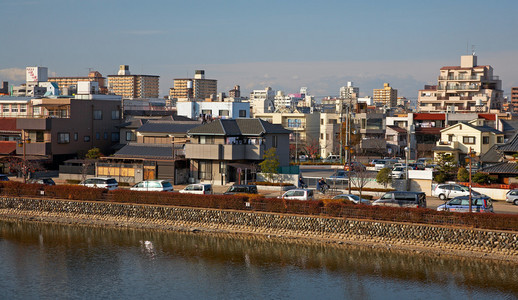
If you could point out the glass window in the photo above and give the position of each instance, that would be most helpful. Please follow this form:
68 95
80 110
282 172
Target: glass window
76 136
97 135
87 138
206 111
115 136
485 140
468 140
98 114
115 114
274 141
224 113
39 137
63 138
105 135
499 139
242 113
130 136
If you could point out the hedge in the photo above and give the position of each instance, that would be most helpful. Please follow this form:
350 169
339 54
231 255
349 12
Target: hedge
325 207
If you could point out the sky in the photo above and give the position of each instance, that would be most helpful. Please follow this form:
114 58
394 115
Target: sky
284 44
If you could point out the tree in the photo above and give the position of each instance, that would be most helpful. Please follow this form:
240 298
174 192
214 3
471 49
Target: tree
93 153
270 164
312 148
462 175
384 177
481 178
446 168
360 179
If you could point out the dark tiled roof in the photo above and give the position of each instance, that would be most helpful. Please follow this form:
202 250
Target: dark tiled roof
146 151
486 128
237 127
492 155
167 127
509 125
511 145
501 168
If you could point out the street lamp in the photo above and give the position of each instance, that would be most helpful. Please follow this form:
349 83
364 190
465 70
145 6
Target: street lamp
407 153
21 143
471 154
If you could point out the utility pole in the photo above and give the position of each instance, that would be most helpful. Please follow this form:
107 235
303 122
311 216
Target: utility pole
469 197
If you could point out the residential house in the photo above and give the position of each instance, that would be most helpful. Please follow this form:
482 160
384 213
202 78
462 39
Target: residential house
221 151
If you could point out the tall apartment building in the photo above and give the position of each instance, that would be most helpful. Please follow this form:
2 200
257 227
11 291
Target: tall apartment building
348 91
133 86
261 101
64 83
387 96
197 87
465 88
514 99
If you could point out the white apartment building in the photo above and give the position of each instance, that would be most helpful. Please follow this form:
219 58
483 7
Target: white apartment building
261 101
223 110
349 91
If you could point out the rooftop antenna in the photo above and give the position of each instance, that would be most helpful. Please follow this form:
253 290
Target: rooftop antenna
473 49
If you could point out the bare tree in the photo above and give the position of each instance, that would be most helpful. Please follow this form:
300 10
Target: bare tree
360 179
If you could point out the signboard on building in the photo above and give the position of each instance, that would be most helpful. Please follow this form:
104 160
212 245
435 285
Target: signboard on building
36 74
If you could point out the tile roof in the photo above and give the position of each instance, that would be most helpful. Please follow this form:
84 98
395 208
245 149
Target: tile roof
7 147
146 151
429 116
397 128
8 125
510 146
486 128
237 127
167 127
492 155
501 168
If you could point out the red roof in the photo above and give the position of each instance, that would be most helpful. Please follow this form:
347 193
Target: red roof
489 117
7 147
429 116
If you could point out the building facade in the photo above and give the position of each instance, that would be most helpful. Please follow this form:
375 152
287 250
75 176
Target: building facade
387 96
198 87
64 83
133 86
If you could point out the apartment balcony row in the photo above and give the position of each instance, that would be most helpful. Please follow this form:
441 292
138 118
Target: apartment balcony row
34 148
459 87
470 78
224 152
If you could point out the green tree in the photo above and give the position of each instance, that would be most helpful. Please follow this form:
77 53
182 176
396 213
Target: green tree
481 178
384 177
93 153
463 175
446 167
270 164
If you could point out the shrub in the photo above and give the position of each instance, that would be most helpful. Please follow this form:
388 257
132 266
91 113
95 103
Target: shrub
19 189
74 192
463 175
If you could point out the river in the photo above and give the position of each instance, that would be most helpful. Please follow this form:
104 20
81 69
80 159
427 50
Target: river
50 261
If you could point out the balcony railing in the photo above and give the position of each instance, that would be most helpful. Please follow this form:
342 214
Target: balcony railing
224 151
460 87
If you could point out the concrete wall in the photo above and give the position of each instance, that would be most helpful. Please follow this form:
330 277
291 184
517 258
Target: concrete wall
459 239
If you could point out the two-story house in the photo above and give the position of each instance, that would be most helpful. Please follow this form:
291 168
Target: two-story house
222 150
461 138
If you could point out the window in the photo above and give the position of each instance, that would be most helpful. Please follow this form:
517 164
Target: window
274 141
6 108
242 113
294 123
105 136
115 114
39 137
63 138
98 114
14 108
206 111
76 136
87 138
130 136
470 140
115 136
485 140
205 169
206 139
499 139
223 113
97 135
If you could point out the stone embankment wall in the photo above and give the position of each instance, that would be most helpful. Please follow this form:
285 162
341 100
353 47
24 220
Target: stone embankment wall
387 234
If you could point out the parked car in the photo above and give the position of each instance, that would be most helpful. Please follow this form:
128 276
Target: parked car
340 174
4 177
198 188
298 194
402 199
512 197
353 198
398 172
355 166
332 159
101 182
153 186
449 190
424 160
461 204
44 181
384 163
241 189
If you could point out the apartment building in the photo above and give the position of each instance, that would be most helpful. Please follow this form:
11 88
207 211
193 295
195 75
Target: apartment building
465 88
387 96
349 91
514 100
261 101
198 87
133 86
65 83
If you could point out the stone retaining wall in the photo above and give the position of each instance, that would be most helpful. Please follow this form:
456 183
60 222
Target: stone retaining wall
405 235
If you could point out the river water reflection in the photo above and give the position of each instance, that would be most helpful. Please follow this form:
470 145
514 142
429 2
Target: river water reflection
77 262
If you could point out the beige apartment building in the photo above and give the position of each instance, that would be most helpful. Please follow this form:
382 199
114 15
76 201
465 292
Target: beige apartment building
197 87
465 88
133 86
387 96
65 82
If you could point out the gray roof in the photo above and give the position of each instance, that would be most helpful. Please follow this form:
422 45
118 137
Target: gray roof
509 125
510 146
238 127
168 127
486 128
492 155
146 151
501 168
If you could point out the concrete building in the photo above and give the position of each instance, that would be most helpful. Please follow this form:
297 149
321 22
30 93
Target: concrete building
465 88
349 91
230 150
133 86
194 88
67 84
4 91
261 101
329 141
223 110
387 96
514 99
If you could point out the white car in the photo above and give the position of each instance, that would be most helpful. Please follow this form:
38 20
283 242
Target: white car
298 194
153 186
398 172
101 182
449 190
197 188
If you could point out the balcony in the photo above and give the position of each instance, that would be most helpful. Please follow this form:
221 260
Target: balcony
449 144
224 152
460 78
43 148
34 124
458 87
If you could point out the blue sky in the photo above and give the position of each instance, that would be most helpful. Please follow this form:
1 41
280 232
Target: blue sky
282 44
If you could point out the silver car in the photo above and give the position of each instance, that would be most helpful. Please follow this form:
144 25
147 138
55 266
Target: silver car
353 198
512 197
448 191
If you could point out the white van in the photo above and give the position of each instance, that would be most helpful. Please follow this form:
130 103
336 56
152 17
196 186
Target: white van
298 194
198 188
332 158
